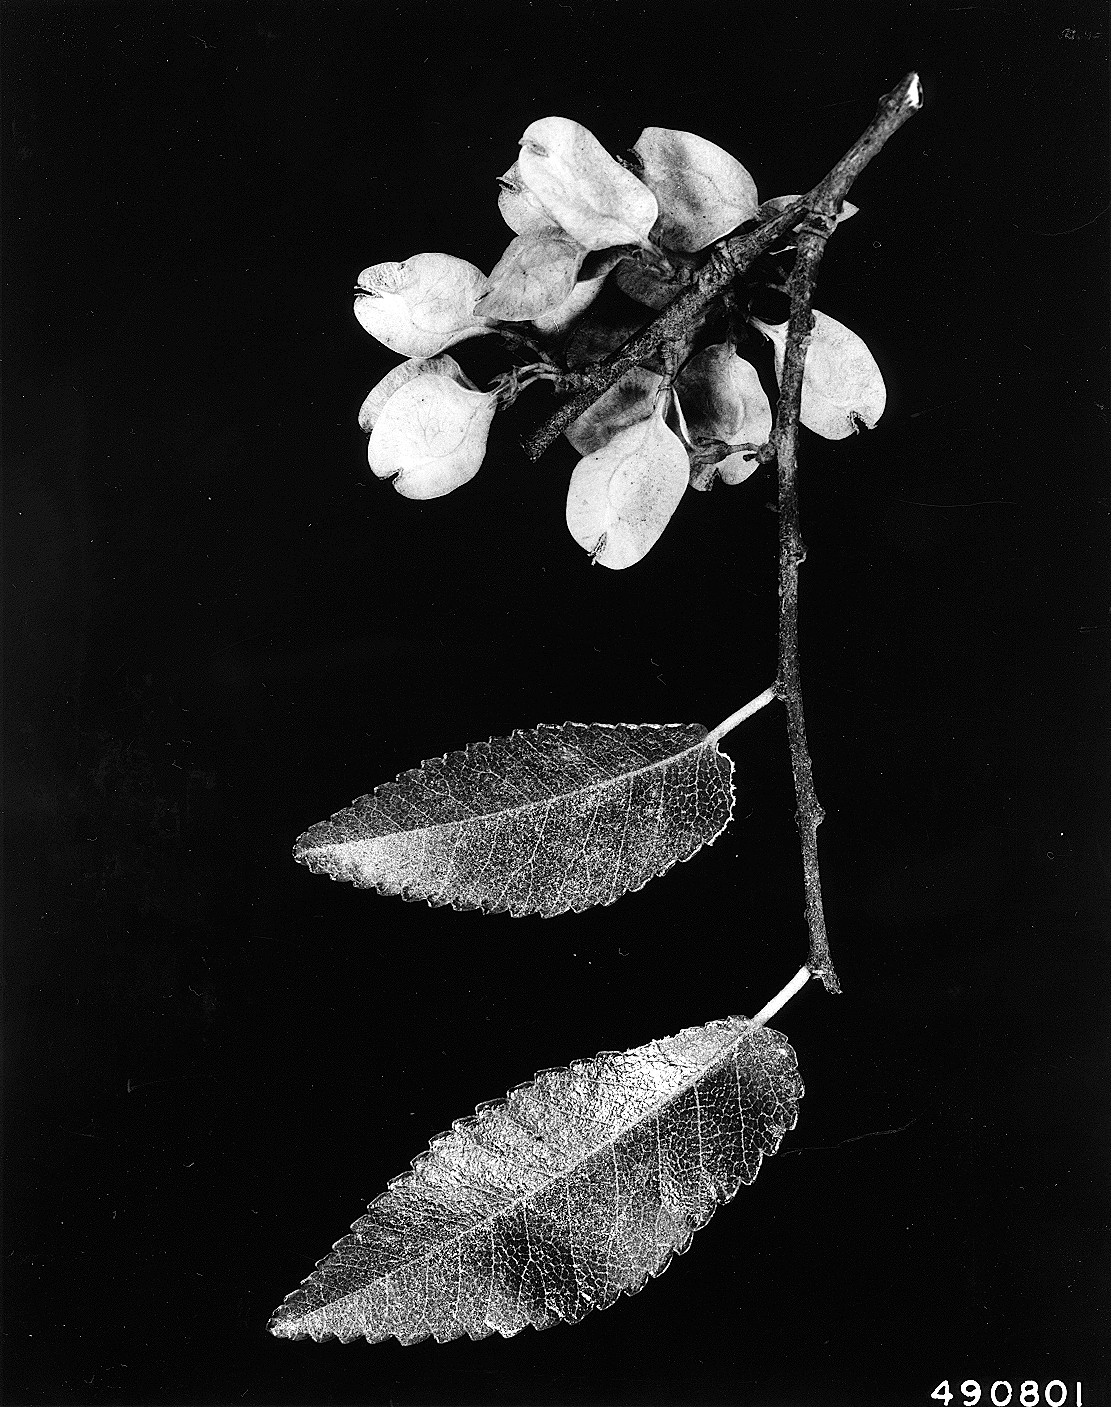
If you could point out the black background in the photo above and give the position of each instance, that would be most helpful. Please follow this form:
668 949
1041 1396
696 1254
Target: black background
220 632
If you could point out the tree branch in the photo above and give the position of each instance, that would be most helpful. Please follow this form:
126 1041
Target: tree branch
824 201
730 259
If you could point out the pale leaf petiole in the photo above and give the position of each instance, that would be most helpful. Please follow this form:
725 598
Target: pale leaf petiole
735 719
797 982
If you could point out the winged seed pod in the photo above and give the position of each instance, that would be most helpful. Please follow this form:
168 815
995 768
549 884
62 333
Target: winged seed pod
421 305
702 191
560 318
842 386
549 820
591 195
535 275
645 285
519 208
431 436
630 400
595 338
723 400
442 365
571 1191
781 202
622 496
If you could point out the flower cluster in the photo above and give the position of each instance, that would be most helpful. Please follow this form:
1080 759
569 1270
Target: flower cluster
581 220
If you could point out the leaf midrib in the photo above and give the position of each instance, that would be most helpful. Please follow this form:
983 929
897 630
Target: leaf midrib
586 790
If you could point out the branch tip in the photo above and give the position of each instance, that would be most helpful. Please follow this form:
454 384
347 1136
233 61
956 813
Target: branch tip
828 978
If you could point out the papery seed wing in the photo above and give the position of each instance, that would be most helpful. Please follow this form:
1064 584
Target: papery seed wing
622 496
703 192
519 208
645 285
842 385
595 338
431 436
722 397
584 189
628 401
421 305
736 468
778 203
535 275
442 365
557 320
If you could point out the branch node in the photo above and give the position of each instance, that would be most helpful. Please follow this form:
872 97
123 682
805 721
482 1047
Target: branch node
827 977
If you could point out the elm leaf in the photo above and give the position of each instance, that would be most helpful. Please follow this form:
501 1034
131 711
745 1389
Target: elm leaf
571 1191
842 386
550 820
626 402
431 436
702 191
421 305
622 496
442 365
535 275
584 189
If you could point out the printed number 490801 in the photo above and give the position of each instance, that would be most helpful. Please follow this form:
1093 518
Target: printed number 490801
1001 1393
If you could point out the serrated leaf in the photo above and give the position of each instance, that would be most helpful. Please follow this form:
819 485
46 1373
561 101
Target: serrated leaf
702 191
584 189
535 275
723 400
626 402
574 1190
555 818
842 386
622 496
393 380
421 305
431 436
519 208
